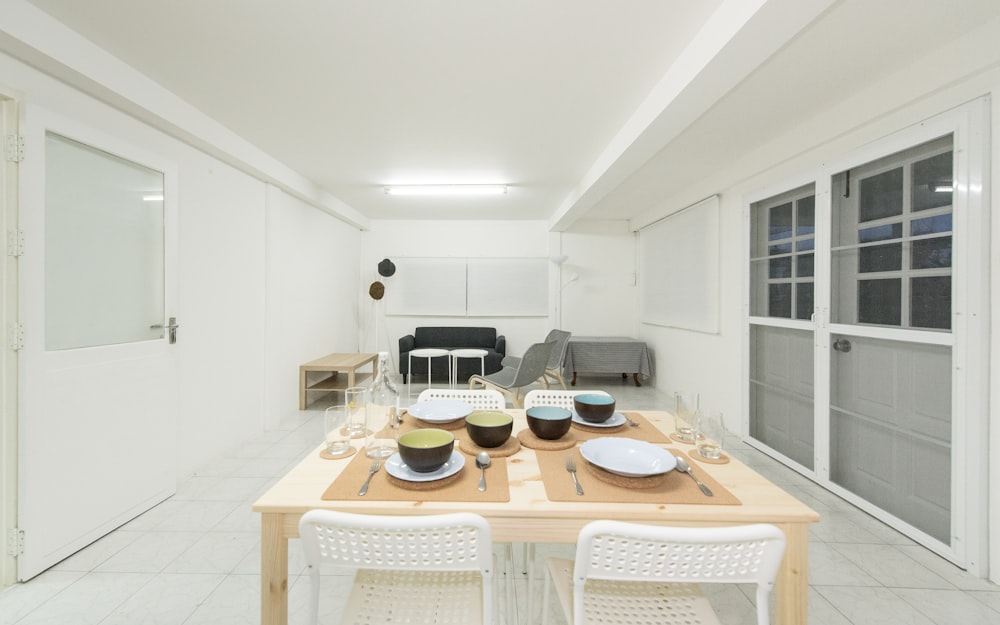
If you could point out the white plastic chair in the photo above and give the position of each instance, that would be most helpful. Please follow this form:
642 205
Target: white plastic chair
483 399
632 574
422 569
549 397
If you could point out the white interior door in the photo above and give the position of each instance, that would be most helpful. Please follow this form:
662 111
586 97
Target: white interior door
97 411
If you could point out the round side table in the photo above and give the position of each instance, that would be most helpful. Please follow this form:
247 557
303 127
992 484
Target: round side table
428 353
466 353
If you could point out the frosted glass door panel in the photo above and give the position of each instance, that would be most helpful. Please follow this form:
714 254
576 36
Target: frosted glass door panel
103 248
781 391
890 428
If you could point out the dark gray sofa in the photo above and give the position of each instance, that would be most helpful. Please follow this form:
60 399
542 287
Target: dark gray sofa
452 338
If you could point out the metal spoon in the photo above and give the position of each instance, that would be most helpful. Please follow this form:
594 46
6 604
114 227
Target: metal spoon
482 461
683 467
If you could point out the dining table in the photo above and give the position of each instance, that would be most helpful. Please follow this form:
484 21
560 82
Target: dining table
532 499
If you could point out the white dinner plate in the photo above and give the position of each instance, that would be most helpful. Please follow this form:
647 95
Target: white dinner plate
395 467
613 421
628 457
440 410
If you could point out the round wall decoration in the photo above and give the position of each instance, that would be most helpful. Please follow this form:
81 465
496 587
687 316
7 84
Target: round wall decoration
376 290
386 268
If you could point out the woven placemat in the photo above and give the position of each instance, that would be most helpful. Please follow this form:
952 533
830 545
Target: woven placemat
420 423
510 447
624 481
676 488
645 431
325 455
463 488
723 459
529 440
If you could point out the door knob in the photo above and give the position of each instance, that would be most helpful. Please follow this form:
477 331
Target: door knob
170 327
842 345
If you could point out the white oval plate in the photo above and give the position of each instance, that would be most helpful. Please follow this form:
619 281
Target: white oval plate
613 421
395 467
440 410
628 457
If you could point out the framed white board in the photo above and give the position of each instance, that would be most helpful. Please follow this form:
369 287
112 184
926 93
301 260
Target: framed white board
468 287
508 287
427 287
679 269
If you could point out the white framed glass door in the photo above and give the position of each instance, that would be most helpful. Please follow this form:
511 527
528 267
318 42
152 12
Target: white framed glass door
862 361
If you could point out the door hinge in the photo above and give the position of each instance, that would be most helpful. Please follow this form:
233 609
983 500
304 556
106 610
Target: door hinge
15 542
15 336
15 243
14 148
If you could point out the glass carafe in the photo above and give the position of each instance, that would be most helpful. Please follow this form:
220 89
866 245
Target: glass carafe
382 412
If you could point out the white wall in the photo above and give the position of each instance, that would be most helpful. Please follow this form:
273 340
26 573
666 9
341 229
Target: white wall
946 78
313 293
451 239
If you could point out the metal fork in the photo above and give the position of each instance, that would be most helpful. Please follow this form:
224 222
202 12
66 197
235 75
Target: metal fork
372 470
632 423
571 467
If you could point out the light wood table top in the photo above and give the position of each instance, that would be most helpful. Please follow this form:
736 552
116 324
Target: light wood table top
529 516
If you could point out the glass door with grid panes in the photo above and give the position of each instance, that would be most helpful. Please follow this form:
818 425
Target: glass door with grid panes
856 341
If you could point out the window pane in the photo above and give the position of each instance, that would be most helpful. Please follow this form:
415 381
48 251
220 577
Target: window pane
803 300
779 300
932 183
780 267
805 244
879 301
931 225
880 258
806 215
880 233
804 266
780 222
930 302
881 195
781 248
931 253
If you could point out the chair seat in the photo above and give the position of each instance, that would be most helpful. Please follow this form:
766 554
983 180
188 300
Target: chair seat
632 603
431 597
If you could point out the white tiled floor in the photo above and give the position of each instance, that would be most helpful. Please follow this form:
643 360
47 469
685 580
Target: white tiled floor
195 558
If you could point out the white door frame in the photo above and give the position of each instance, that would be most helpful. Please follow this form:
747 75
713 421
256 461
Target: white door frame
8 364
969 125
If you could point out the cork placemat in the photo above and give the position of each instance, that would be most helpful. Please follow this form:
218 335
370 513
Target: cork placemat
412 423
510 447
676 487
723 459
385 488
529 440
645 431
325 455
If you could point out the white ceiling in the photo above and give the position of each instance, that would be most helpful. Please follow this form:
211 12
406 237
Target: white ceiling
587 108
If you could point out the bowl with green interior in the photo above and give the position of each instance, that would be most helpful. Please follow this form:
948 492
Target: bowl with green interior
427 449
489 429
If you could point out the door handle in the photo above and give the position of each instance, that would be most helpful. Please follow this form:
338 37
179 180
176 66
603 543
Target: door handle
171 328
842 345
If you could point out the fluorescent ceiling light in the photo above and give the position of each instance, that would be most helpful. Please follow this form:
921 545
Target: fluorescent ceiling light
156 197
446 189
943 188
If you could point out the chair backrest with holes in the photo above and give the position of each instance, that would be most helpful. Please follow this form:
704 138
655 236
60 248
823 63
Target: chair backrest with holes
563 399
619 551
485 399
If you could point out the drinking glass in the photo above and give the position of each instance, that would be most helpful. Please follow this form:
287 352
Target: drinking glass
711 431
685 411
355 398
338 439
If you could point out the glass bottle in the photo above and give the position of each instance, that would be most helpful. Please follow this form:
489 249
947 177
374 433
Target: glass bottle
382 412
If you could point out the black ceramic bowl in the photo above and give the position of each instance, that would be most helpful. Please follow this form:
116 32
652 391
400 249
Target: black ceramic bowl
426 450
594 408
549 422
489 429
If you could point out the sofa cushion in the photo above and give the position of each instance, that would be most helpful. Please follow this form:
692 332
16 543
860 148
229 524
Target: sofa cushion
454 338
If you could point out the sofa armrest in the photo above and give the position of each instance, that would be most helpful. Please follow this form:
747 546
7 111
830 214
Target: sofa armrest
407 343
501 345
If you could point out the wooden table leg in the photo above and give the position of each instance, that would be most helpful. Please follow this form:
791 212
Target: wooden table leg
573 383
635 378
302 388
273 571
791 588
